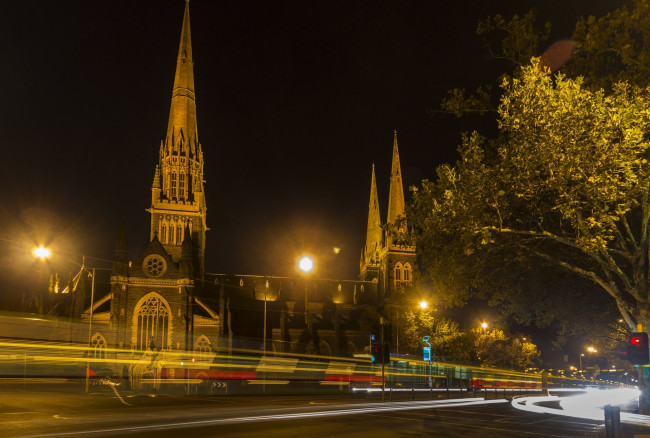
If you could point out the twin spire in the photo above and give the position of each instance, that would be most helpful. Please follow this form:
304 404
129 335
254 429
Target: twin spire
396 205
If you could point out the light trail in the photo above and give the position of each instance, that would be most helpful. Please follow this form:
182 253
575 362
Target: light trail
331 411
589 406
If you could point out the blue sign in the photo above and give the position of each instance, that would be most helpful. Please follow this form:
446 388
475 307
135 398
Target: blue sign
426 353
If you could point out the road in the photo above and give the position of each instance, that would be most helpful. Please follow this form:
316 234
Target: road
27 413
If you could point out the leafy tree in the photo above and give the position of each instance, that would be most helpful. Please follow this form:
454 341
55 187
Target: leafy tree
565 184
613 48
495 349
604 51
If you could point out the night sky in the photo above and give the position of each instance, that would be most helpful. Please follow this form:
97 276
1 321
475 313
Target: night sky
295 101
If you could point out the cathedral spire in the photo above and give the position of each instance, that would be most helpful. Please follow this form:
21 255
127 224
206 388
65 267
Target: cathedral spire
177 192
374 233
182 114
396 205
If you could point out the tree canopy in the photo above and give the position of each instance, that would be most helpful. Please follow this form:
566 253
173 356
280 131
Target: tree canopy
565 184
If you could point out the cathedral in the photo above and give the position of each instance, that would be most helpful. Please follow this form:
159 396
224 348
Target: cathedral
164 301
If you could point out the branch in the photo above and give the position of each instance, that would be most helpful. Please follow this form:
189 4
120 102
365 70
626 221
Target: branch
609 287
607 265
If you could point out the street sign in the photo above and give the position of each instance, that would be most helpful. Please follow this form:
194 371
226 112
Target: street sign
426 353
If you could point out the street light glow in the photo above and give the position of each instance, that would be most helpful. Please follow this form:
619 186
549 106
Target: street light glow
306 264
42 253
484 325
423 305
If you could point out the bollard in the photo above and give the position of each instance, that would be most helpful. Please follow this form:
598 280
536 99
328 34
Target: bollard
612 421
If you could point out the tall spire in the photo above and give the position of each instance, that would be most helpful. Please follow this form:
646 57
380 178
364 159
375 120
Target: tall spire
177 192
374 233
182 115
396 195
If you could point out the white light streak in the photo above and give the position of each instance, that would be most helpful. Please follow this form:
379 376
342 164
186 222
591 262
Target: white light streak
588 405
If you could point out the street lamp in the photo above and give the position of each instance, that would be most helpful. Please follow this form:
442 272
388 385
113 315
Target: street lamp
42 252
423 305
581 356
306 266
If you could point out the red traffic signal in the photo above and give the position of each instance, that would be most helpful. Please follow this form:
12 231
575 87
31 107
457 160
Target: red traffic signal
637 349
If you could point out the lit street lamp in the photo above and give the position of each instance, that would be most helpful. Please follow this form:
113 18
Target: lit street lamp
423 305
306 266
42 252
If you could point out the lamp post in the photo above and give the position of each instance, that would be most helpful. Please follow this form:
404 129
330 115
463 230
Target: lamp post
266 289
306 266
90 324
581 356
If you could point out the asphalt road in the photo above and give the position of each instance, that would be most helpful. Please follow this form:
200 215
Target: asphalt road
46 413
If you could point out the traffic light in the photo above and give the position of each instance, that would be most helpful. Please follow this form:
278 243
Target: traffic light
376 352
380 353
637 349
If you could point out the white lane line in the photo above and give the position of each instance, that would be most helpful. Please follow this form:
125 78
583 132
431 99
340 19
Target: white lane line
276 417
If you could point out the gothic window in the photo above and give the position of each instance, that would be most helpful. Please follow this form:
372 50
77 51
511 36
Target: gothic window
97 346
397 275
181 186
172 233
152 323
179 234
173 184
407 273
203 347
163 233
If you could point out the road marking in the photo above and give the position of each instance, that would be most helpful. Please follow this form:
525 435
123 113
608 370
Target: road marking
374 409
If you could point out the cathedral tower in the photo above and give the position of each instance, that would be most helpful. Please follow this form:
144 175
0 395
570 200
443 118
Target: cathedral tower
396 207
177 193
374 234
389 254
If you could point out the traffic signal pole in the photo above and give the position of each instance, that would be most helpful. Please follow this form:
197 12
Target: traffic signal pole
383 366
642 384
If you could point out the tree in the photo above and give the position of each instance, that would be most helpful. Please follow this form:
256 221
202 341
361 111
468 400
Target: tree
495 349
604 51
565 183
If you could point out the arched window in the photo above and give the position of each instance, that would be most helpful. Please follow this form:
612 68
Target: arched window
397 274
97 346
172 233
163 233
407 273
151 320
179 234
181 186
203 347
173 184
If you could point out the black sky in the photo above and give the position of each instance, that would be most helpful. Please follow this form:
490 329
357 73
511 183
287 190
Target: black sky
295 101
